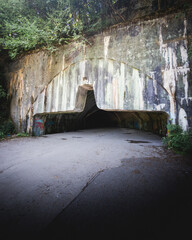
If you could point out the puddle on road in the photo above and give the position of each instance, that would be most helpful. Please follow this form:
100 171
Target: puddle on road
134 141
76 137
63 138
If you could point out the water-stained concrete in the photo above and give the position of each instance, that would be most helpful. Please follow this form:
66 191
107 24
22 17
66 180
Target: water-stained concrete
139 66
93 117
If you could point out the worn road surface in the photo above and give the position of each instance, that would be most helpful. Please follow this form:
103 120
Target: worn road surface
95 184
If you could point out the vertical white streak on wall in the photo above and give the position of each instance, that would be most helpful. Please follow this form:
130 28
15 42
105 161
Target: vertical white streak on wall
109 87
90 73
53 96
116 87
184 54
161 40
72 90
172 70
108 95
115 92
49 97
141 87
130 89
121 86
56 91
185 68
155 86
29 122
57 80
136 89
183 119
169 85
185 28
169 74
39 104
35 105
63 64
67 74
42 101
172 57
82 66
106 46
186 84
99 91
64 98
152 74
110 69
60 91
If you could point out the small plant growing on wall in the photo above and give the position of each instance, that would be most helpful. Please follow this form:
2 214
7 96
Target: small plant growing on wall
177 139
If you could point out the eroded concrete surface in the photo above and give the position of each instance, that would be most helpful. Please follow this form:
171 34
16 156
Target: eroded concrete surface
94 182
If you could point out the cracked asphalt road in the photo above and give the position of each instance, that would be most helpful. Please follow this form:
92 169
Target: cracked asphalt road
92 183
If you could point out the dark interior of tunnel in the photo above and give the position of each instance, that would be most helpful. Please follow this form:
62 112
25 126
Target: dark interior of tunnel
93 117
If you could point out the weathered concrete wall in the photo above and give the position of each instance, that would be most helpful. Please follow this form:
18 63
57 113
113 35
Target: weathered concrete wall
93 117
141 66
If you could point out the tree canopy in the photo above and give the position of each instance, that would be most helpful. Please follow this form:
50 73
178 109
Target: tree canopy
31 24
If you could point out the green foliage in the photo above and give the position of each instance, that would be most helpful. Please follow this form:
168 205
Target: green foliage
2 92
31 24
6 128
27 25
22 135
1 135
177 139
174 129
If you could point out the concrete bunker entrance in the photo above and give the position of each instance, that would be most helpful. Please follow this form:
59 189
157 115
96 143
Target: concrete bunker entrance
93 117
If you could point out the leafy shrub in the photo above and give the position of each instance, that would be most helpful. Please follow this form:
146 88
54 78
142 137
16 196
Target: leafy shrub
22 135
26 26
32 24
6 128
2 92
1 135
177 139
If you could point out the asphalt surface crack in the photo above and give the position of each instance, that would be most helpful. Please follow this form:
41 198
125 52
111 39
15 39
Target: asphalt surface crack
92 179
74 199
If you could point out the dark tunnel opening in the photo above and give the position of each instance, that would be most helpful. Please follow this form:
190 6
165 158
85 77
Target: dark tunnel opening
93 117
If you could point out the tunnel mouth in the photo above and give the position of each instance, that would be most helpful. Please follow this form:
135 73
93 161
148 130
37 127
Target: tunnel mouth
92 117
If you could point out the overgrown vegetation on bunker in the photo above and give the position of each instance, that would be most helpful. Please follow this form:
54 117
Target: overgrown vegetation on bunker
27 25
32 24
